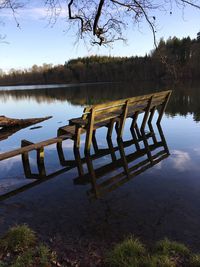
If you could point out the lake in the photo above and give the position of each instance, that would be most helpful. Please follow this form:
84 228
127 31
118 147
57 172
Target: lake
162 201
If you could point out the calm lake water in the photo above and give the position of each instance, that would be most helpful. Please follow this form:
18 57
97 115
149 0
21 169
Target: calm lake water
162 201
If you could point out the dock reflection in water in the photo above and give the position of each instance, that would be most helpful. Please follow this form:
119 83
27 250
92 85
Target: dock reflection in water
122 168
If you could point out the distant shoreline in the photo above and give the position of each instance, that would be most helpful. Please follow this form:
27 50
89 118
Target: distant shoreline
46 86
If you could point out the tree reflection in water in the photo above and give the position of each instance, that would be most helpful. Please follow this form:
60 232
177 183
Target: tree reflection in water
185 100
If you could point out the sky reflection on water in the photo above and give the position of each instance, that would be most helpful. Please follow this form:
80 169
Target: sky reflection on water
162 201
182 132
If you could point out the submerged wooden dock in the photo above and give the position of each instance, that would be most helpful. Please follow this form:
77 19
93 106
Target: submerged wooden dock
111 115
117 171
96 116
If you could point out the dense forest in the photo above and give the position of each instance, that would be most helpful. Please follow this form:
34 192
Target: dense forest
173 59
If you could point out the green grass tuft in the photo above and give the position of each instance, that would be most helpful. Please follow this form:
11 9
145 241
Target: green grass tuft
24 260
18 248
18 239
162 261
171 248
132 253
126 254
44 256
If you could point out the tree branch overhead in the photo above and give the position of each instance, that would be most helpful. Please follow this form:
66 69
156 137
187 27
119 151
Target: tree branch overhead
104 21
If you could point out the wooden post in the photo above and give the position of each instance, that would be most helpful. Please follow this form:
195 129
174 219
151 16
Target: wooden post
111 149
25 160
163 108
109 140
110 129
132 128
40 162
92 173
117 126
89 130
60 153
137 130
142 129
94 142
146 115
77 136
163 138
123 156
123 119
150 124
78 161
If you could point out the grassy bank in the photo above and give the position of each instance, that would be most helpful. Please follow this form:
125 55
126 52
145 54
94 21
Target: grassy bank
165 253
20 247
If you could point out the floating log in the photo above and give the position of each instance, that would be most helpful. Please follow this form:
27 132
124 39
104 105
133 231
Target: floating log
6 122
9 126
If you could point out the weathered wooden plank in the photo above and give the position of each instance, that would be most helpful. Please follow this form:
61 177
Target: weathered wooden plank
131 99
135 104
31 147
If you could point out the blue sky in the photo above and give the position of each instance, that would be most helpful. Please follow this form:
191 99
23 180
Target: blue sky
35 42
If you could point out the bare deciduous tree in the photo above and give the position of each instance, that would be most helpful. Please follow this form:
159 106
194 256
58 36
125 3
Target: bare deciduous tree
104 21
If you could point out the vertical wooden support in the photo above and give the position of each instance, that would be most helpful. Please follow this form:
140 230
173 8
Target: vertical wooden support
110 129
77 150
134 120
77 136
117 126
142 129
61 153
109 139
89 134
123 119
152 112
40 162
132 128
89 130
164 105
137 131
92 173
163 138
146 114
94 142
78 161
25 160
123 156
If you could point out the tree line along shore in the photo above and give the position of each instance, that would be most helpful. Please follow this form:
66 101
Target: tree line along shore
172 59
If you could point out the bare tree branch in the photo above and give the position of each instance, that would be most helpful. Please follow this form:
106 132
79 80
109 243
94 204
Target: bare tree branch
191 3
104 21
